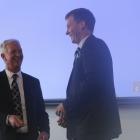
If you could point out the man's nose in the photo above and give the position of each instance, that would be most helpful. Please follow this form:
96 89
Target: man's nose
67 32
18 54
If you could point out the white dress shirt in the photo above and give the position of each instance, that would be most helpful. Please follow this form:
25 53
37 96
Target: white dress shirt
80 45
9 74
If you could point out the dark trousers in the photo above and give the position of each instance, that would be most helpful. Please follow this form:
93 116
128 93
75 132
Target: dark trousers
28 136
92 137
89 139
19 136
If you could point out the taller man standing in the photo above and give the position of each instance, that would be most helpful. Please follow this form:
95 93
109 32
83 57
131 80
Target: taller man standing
90 110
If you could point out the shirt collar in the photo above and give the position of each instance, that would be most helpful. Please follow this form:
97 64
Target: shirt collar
10 74
80 45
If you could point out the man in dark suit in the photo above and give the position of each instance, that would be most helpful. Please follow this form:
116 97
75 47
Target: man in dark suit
22 110
90 110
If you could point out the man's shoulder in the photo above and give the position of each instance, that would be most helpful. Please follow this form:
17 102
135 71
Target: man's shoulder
96 41
28 76
93 43
2 73
98 44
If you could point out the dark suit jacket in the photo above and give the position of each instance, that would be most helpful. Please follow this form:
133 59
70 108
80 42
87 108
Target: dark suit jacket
91 106
36 115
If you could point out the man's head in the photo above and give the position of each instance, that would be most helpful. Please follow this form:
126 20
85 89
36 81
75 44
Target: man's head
80 23
11 53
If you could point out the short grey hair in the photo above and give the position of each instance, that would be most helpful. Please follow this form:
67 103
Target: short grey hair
6 42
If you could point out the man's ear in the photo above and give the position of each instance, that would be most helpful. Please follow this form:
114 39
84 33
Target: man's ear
3 56
83 25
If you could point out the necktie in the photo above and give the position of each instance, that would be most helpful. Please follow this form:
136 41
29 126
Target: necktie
16 97
77 52
77 55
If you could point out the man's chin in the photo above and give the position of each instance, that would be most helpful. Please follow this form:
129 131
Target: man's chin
74 42
17 67
14 69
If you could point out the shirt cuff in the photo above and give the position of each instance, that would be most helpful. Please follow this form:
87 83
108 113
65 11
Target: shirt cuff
7 120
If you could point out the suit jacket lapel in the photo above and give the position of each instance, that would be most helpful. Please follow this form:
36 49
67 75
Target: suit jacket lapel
5 81
26 87
5 92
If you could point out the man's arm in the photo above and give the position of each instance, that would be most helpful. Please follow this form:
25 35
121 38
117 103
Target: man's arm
79 100
42 116
3 118
96 63
60 112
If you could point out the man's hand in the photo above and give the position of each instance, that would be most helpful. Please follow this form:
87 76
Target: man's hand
15 121
43 136
60 111
62 122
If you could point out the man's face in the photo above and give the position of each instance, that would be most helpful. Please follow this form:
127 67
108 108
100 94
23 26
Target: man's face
74 29
13 57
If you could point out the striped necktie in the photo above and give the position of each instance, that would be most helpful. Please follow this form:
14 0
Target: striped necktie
16 97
